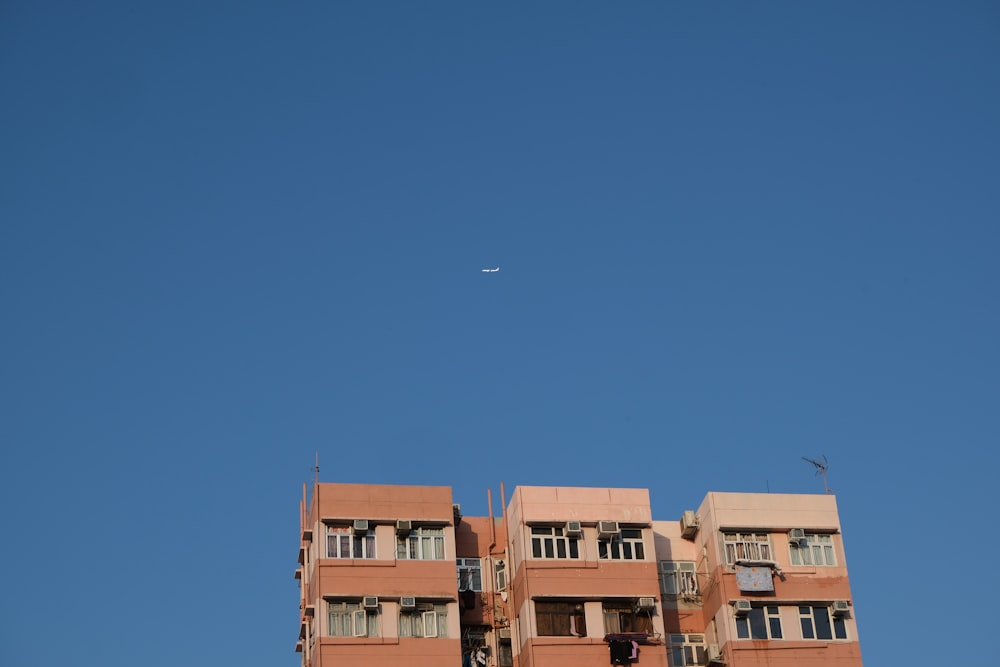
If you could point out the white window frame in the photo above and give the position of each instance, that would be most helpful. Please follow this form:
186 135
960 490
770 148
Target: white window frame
470 574
678 577
769 613
500 572
626 545
688 650
344 535
819 551
807 614
361 623
423 543
414 624
746 545
548 543
430 620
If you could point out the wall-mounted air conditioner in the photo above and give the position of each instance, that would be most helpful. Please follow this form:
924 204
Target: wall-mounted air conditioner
607 529
689 524
404 527
645 604
715 656
573 529
370 603
360 525
742 607
407 603
840 608
797 535
503 633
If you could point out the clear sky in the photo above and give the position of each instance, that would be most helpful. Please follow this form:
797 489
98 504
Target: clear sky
731 234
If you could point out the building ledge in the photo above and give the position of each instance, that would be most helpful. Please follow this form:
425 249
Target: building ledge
637 637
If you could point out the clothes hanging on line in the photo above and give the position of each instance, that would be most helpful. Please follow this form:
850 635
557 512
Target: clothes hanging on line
623 652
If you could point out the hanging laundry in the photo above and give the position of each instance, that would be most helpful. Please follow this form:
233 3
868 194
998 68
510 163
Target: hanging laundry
468 599
621 652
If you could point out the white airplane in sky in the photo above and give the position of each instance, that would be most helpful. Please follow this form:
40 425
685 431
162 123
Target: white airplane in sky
491 270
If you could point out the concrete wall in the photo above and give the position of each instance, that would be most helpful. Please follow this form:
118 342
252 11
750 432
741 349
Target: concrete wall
775 515
588 580
384 576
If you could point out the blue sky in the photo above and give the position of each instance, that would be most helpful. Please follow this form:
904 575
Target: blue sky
730 235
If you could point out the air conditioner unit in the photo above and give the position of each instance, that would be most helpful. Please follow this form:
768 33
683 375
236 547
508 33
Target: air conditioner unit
573 529
607 529
840 608
742 607
503 633
404 527
689 524
715 656
407 603
797 535
361 525
645 604
370 603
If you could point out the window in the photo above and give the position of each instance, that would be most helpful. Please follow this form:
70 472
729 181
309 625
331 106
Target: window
341 542
500 569
473 641
760 623
621 617
560 619
817 550
549 542
428 620
626 545
424 543
817 624
505 654
470 574
677 577
746 546
687 650
348 619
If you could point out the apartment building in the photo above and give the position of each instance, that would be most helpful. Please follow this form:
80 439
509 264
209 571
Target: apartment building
571 576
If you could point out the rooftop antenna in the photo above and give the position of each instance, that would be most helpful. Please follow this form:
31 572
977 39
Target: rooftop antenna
316 479
821 468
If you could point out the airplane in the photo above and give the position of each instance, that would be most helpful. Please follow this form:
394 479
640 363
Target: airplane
491 270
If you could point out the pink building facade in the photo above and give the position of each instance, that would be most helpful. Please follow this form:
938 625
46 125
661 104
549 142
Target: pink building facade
571 577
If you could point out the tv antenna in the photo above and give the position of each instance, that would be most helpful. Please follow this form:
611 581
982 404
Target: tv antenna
821 468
